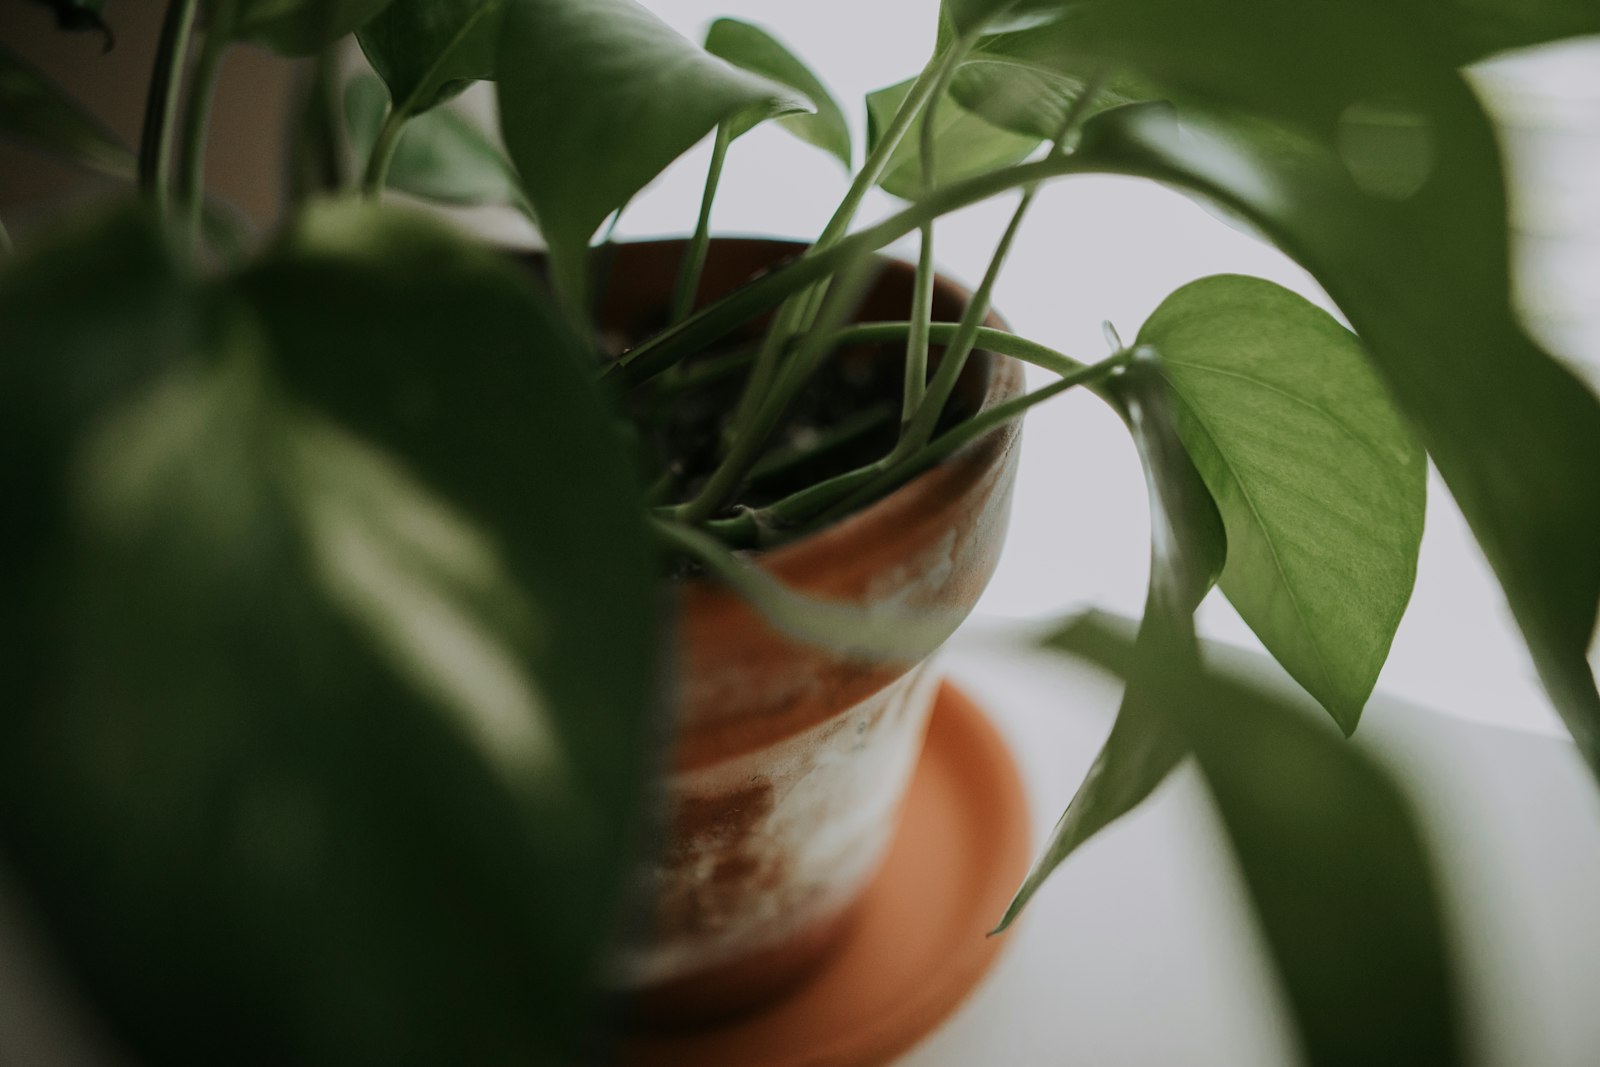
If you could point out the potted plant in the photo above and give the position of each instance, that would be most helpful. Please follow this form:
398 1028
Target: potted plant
336 649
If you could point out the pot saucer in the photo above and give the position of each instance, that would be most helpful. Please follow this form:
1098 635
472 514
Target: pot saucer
917 946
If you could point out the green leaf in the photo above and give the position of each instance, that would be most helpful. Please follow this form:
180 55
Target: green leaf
296 27
441 155
1278 124
964 143
1468 30
1339 874
1318 480
1013 80
597 98
325 723
427 51
1332 858
37 113
754 49
1188 547
1329 848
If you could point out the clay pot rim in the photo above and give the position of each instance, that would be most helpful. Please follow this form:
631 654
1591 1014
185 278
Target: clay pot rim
931 497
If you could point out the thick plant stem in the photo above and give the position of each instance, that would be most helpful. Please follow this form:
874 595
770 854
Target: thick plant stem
161 103
6 247
694 257
377 173
191 176
801 307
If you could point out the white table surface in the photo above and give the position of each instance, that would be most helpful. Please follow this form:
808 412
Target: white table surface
1140 950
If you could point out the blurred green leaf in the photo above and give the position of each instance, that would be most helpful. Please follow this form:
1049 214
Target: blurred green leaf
295 27
1188 546
427 51
1319 482
1468 30
754 49
1278 124
37 113
297 764
1014 81
1328 846
597 98
441 155
964 143
1332 857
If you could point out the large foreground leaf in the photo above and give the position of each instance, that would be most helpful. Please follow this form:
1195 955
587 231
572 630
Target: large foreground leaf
1382 177
326 682
597 98
1319 482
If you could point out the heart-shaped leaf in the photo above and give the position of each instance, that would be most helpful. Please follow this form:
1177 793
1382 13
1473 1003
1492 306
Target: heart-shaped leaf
1277 123
597 98
1188 547
754 49
297 764
441 155
427 51
37 113
964 143
1318 480
1329 848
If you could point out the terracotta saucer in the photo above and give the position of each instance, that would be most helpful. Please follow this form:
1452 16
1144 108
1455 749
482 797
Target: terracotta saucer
918 944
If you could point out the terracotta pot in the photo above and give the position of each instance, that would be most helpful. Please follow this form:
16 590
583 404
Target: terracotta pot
790 760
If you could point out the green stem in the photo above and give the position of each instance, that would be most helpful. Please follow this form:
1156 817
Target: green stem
161 103
920 427
916 368
706 372
714 322
694 257
838 496
377 173
748 446
940 333
6 247
317 163
196 120
802 307
847 430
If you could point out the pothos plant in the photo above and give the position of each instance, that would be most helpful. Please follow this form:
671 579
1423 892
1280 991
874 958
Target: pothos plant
331 585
